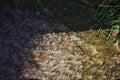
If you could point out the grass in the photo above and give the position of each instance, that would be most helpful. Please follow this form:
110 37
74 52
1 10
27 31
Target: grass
108 15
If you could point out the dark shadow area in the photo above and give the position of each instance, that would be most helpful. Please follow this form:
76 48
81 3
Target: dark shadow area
19 26
16 40
77 15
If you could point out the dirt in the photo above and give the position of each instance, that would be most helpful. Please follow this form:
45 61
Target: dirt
50 45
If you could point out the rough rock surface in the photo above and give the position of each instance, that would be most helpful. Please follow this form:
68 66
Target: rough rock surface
30 49
65 56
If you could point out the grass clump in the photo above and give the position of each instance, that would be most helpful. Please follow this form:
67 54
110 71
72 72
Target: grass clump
107 15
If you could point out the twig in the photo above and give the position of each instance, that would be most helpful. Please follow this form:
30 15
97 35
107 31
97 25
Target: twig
86 2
